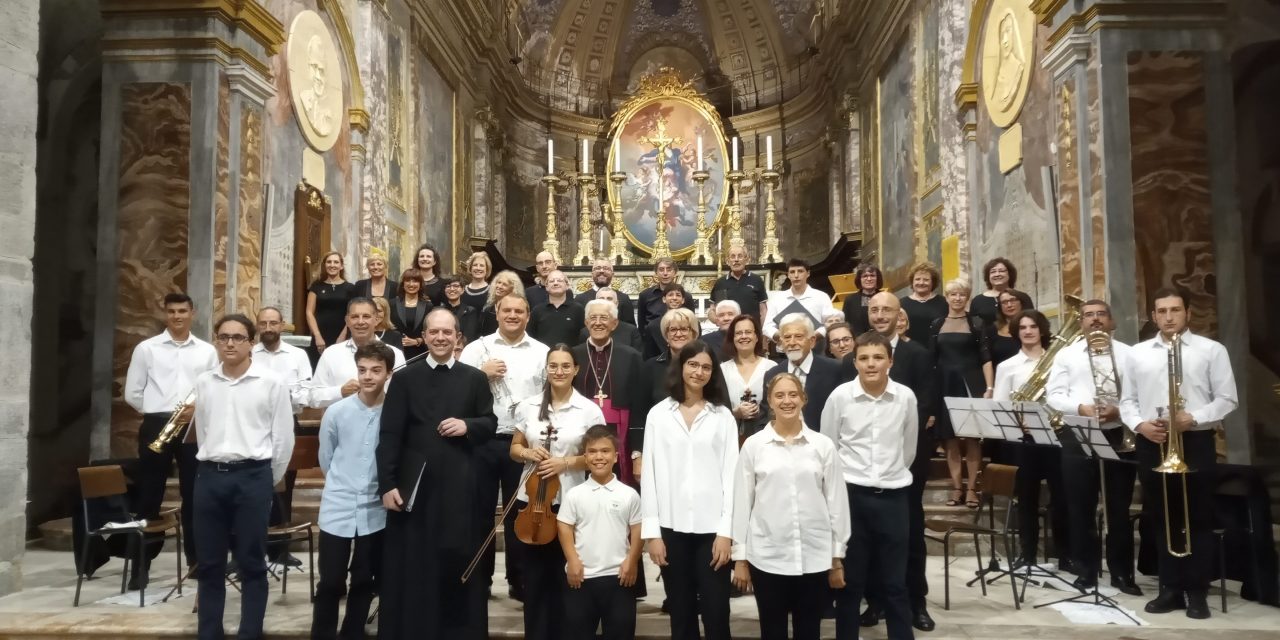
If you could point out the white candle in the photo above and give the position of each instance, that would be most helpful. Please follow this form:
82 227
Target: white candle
551 159
617 156
586 157
719 239
601 239
768 151
700 165
735 153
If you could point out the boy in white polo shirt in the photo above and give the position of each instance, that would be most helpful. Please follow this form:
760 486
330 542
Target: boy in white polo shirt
600 533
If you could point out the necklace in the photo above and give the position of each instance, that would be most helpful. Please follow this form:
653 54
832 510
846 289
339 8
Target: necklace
601 396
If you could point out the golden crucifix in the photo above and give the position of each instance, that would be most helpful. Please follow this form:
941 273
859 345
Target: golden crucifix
661 141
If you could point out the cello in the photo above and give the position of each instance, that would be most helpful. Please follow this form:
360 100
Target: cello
536 523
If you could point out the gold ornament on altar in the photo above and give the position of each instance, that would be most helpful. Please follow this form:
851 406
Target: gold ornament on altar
652 144
315 80
1008 58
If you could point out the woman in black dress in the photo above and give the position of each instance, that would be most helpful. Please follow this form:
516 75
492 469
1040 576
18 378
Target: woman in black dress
1004 341
327 305
963 357
870 281
408 312
999 274
923 305
476 292
427 260
377 285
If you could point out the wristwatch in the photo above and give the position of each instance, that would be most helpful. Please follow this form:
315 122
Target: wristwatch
636 454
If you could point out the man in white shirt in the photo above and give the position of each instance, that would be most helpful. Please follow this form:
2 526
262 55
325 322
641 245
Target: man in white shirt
336 375
515 364
244 427
1073 391
874 423
293 367
1208 395
162 373
800 298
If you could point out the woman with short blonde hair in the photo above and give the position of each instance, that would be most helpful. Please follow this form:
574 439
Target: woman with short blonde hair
962 354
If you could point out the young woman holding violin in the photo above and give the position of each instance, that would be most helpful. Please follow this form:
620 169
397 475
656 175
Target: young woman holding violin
547 442
686 495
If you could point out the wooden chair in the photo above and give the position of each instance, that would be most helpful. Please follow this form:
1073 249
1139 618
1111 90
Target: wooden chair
105 482
997 482
306 455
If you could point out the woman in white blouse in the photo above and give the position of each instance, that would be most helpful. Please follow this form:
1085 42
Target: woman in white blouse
686 493
789 489
570 413
744 373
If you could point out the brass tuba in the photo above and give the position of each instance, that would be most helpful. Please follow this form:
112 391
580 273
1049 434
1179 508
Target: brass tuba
1033 389
1106 381
1174 461
174 426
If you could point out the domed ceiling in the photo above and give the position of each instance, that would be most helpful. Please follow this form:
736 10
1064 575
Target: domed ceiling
584 53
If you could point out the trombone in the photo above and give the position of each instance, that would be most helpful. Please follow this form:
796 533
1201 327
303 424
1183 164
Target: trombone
1174 460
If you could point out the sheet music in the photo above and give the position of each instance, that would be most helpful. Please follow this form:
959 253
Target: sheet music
970 418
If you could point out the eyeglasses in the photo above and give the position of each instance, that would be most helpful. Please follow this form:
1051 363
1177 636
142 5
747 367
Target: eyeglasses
671 330
840 340
1096 314
598 318
231 338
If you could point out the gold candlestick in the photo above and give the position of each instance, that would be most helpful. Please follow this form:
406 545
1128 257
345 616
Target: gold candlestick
735 211
551 244
661 246
769 252
619 252
701 246
586 191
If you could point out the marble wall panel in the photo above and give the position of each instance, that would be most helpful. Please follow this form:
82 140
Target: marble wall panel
433 99
249 228
853 182
1097 206
1069 191
953 149
897 162
152 223
1171 198
375 188
480 182
221 197
523 212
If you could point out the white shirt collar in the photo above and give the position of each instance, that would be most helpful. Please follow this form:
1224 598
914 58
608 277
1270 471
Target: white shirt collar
774 436
434 364
169 338
596 347
862 392
524 340
805 365
608 486
255 370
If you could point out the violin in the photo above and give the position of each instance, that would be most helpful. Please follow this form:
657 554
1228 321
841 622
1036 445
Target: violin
536 523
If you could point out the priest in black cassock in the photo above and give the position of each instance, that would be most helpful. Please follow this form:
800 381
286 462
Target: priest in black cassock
435 413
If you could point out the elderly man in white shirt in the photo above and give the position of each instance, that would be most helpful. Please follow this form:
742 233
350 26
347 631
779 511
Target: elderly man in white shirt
515 364
800 298
873 421
1208 395
162 373
1074 389
244 426
336 372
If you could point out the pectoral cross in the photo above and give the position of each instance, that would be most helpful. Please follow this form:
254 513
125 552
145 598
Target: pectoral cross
600 397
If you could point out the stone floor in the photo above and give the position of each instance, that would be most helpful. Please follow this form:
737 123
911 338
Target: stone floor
43 610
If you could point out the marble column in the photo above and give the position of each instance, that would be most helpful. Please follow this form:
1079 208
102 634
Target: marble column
173 109
18 115
1146 151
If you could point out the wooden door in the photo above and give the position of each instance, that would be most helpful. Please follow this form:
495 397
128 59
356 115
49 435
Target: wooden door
311 209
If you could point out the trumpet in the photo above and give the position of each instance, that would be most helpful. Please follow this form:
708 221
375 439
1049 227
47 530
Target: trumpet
1172 454
174 426
1106 381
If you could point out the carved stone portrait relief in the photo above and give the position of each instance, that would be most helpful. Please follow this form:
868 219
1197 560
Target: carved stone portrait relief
315 80
1008 58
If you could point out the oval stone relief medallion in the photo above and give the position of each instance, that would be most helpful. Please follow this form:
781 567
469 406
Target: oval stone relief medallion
1008 57
315 80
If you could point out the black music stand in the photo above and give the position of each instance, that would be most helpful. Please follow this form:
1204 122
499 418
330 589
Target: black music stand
1093 443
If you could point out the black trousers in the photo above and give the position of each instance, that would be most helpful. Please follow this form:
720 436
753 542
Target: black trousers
362 557
496 470
880 520
693 587
1037 464
153 471
1192 573
232 502
1083 481
600 602
799 598
917 554
545 585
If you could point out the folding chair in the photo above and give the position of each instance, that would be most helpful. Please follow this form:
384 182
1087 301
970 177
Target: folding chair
103 483
306 455
997 481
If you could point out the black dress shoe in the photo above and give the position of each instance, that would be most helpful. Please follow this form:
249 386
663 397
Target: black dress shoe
1068 565
1167 601
289 560
735 592
1197 605
870 617
515 593
136 583
1085 584
1126 585
922 621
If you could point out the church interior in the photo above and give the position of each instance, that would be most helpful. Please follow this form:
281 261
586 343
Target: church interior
220 148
